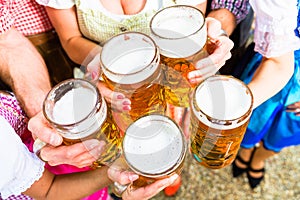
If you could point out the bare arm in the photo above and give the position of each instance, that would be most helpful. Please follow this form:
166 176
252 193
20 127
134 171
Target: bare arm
23 69
69 186
76 46
271 76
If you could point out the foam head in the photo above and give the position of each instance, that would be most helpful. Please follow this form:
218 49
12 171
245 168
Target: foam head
153 145
179 31
72 106
223 98
129 58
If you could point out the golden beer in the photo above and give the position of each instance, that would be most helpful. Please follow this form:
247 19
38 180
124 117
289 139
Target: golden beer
154 147
180 33
130 65
221 107
78 112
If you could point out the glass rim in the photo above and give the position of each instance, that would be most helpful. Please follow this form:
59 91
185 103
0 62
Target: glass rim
172 7
155 48
98 102
181 158
245 115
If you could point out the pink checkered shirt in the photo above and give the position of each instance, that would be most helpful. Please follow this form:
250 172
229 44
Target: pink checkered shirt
25 15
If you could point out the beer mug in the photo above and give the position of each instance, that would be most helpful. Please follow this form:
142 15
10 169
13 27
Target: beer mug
180 33
154 147
221 107
130 65
78 112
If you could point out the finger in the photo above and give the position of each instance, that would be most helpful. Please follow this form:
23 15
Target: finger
122 177
93 68
213 27
150 190
117 101
40 128
76 154
186 123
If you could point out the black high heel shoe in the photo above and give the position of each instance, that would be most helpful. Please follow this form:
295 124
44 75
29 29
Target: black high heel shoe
238 171
254 182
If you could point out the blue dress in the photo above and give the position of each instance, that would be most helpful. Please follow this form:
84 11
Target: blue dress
270 122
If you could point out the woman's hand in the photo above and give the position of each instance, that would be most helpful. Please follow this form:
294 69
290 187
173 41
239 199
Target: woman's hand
218 47
116 100
143 193
295 108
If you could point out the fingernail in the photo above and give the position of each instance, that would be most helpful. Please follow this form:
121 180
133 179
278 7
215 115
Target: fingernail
133 177
94 75
119 96
126 108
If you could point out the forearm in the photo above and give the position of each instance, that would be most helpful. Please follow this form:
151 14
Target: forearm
81 50
69 186
271 76
226 18
23 69
78 48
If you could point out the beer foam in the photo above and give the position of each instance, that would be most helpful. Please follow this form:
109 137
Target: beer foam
179 32
223 99
153 147
74 106
129 58
132 63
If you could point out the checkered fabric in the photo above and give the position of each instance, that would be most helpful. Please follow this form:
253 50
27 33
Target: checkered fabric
25 15
12 112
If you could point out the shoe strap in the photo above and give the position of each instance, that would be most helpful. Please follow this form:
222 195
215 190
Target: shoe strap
256 170
242 160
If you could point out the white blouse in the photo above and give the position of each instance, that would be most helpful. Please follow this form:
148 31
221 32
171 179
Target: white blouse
19 167
275 23
99 24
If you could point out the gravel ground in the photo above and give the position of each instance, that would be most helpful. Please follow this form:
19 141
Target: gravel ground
281 181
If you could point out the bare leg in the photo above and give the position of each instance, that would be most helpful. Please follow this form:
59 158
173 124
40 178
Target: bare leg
258 160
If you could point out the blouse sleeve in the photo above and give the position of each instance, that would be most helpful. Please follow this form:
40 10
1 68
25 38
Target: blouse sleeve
275 23
19 167
58 4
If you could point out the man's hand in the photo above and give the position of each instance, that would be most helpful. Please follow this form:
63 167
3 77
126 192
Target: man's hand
80 154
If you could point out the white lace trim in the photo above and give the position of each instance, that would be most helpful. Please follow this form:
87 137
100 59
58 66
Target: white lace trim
30 169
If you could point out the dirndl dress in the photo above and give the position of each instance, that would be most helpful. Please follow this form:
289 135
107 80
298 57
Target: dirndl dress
270 122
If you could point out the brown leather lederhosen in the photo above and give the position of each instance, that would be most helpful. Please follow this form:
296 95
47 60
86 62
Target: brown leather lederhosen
59 65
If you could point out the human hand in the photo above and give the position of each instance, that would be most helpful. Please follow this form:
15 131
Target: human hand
143 193
295 108
80 154
118 101
218 47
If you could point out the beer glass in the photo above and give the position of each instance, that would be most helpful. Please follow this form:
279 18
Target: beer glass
154 147
130 65
221 107
180 32
78 112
